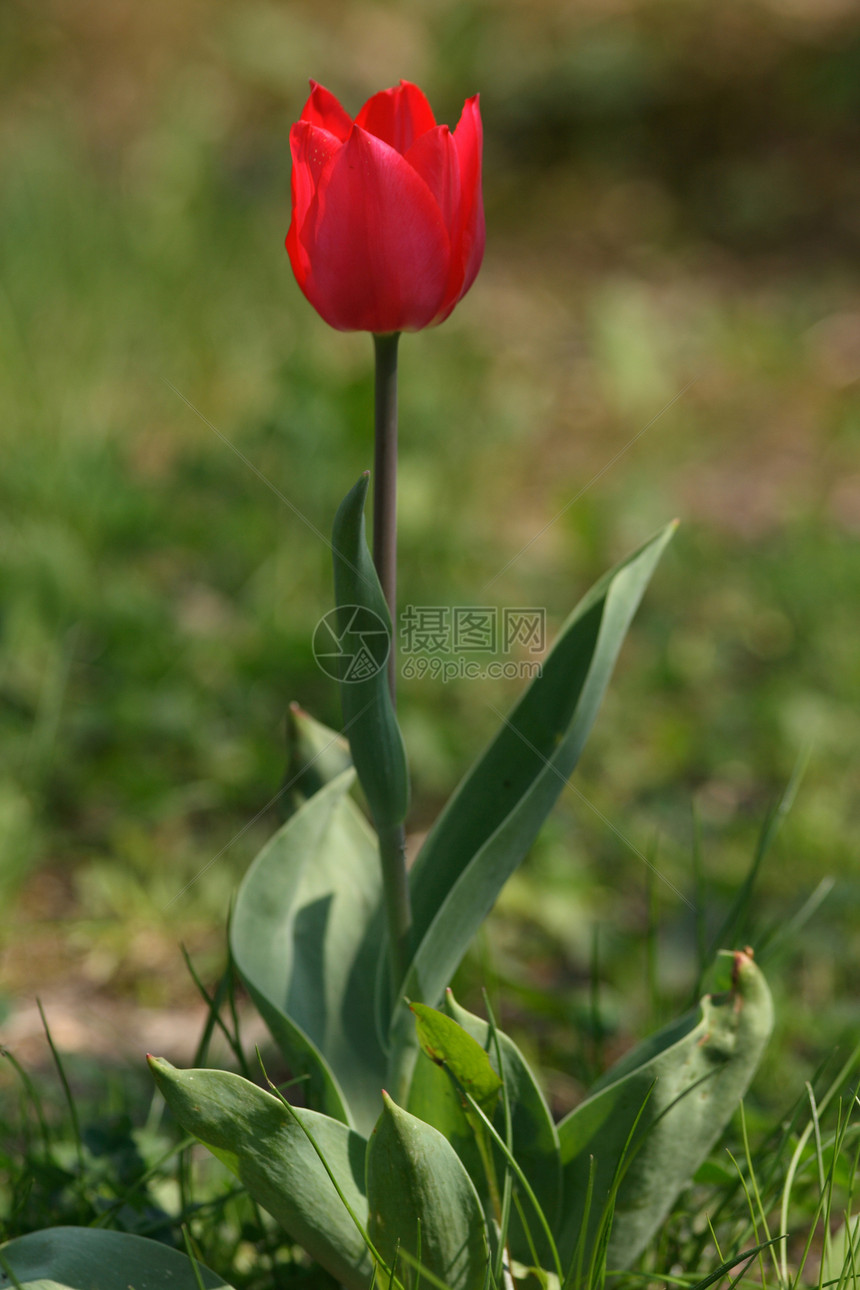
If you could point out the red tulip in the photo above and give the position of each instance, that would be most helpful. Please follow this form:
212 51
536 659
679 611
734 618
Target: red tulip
387 231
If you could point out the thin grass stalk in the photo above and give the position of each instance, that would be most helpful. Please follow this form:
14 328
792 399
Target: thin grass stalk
520 1176
67 1091
213 1012
794 1162
507 1184
755 1185
362 1231
32 1094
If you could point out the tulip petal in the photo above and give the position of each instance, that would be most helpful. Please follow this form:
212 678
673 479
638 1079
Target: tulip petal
397 116
312 149
468 234
434 156
323 109
375 242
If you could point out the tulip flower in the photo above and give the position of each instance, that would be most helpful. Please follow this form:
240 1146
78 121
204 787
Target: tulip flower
387 230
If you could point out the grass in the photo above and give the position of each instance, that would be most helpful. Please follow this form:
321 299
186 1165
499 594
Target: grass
665 324
768 1208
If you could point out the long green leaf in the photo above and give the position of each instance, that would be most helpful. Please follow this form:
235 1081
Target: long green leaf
261 1141
492 819
91 1258
689 1078
304 935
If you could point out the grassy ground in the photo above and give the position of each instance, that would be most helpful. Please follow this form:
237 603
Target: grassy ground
667 323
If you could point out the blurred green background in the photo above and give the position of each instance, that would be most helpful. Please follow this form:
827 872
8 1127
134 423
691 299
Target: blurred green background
667 323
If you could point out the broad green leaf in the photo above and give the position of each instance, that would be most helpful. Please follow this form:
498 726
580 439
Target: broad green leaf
305 935
261 1141
422 1202
315 756
449 1045
689 1078
90 1258
492 819
368 713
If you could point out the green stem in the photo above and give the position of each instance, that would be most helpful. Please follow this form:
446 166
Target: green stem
385 483
392 841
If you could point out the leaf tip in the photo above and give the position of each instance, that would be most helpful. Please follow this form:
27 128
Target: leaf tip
741 959
159 1065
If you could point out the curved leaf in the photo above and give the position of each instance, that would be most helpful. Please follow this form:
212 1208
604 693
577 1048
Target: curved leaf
449 1045
683 1085
492 819
422 1202
262 1142
304 935
90 1258
315 756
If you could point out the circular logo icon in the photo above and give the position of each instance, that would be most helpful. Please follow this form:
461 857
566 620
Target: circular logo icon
351 643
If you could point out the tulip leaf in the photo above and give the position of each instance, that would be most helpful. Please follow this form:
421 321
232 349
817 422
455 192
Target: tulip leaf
664 1104
463 1065
493 817
315 756
363 624
433 1098
91 1258
263 1143
450 1046
304 936
423 1204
